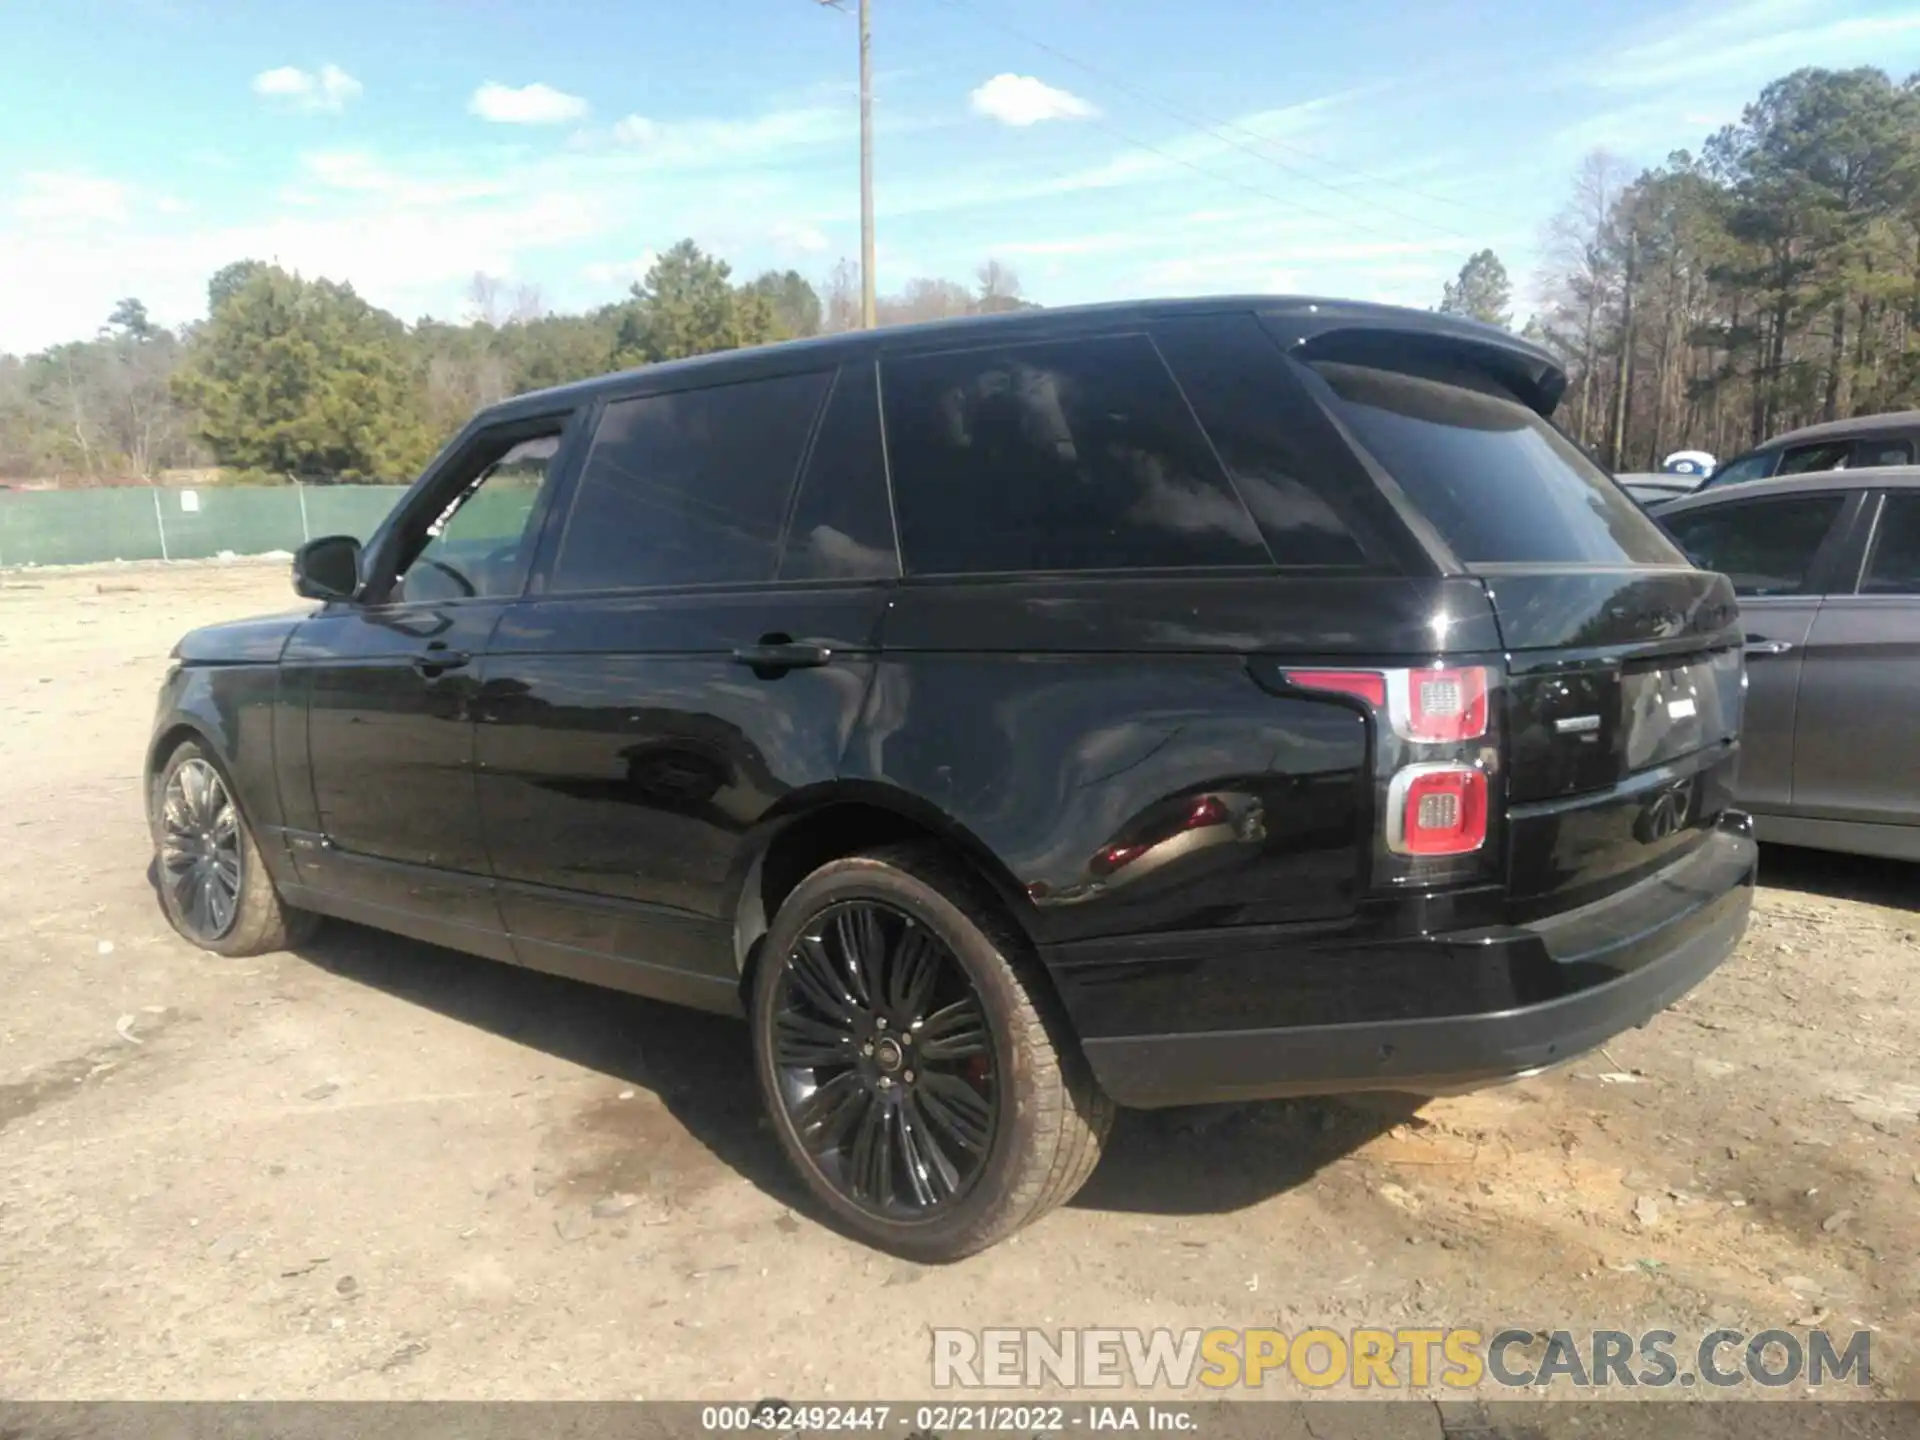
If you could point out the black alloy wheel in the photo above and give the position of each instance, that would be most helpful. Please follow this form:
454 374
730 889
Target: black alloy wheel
885 1061
917 1070
202 861
213 883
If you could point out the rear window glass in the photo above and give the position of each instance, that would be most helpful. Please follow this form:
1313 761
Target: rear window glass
1500 484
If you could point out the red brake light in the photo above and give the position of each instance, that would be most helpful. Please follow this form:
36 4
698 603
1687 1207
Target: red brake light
1442 706
1437 810
1368 685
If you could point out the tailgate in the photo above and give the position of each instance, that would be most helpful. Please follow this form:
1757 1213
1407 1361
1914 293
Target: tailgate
1624 704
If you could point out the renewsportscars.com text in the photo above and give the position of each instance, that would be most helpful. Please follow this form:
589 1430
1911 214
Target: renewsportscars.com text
1372 1359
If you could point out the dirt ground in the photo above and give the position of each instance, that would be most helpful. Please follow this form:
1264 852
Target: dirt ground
374 1169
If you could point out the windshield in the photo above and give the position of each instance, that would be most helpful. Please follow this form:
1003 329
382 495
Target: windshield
1498 482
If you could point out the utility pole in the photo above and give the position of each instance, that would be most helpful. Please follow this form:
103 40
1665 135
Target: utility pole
866 168
866 159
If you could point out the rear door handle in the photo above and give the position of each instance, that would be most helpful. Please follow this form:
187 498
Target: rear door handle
783 655
436 662
1757 646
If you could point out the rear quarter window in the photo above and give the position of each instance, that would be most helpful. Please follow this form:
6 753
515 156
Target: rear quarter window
1498 482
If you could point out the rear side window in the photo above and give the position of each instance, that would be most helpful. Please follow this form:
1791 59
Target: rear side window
842 526
1499 483
1766 547
1868 454
1896 549
689 488
1070 455
1807 459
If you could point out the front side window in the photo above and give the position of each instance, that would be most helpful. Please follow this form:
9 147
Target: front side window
1499 483
477 544
1765 547
1895 568
1756 466
1063 456
688 488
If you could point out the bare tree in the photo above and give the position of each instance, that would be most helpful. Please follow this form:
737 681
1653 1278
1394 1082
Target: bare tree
529 304
999 287
840 299
1583 275
486 297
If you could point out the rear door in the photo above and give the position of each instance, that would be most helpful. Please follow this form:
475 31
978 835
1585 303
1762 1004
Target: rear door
697 650
1779 552
1856 750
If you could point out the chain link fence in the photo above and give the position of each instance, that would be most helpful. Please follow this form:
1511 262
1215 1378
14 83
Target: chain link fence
78 527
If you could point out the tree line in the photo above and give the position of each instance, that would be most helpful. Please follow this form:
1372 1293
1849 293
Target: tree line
1768 282
296 378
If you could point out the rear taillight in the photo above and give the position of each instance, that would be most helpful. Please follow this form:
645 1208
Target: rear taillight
1437 810
1440 706
1434 756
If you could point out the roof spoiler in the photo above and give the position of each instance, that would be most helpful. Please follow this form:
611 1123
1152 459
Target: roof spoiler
1362 335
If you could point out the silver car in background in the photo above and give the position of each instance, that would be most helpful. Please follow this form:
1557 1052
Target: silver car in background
1827 568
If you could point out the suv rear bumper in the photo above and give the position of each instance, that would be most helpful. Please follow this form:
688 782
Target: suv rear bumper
1617 963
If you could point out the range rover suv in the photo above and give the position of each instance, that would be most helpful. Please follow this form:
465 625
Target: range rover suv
1011 718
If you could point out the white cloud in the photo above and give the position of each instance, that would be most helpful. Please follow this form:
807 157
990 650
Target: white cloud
1733 45
793 235
328 89
709 143
621 272
356 172
1023 100
534 104
65 198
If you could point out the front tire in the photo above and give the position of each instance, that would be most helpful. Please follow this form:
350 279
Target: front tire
213 885
907 1061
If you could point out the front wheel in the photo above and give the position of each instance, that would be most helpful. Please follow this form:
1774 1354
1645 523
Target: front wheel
213 886
912 1077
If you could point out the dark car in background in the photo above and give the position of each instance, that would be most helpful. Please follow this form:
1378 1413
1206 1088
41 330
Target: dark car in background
1151 704
1865 442
1827 567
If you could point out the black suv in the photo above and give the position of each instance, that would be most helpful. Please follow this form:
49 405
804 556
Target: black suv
1143 704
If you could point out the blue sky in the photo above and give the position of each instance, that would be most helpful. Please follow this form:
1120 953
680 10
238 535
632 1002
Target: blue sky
1360 148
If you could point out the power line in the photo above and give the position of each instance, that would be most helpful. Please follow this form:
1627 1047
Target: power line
1218 128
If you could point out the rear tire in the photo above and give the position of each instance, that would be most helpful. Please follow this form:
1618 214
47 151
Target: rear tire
214 886
908 1062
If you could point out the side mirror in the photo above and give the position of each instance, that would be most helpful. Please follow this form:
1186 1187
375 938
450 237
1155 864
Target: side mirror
327 568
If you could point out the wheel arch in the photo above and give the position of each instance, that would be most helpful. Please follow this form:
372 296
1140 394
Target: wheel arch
825 822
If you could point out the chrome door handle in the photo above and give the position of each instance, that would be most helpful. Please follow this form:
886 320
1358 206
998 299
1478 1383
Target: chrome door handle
1756 646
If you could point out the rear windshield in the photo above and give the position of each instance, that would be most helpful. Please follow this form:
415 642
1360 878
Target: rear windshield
1499 483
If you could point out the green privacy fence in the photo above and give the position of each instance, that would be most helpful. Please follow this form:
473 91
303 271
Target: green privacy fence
76 527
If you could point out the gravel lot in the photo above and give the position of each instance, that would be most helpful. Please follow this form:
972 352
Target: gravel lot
374 1169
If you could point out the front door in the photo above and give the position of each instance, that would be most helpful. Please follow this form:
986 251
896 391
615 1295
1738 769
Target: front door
1775 550
697 652
389 679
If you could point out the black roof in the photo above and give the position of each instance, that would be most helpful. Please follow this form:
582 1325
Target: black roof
1893 422
1300 320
